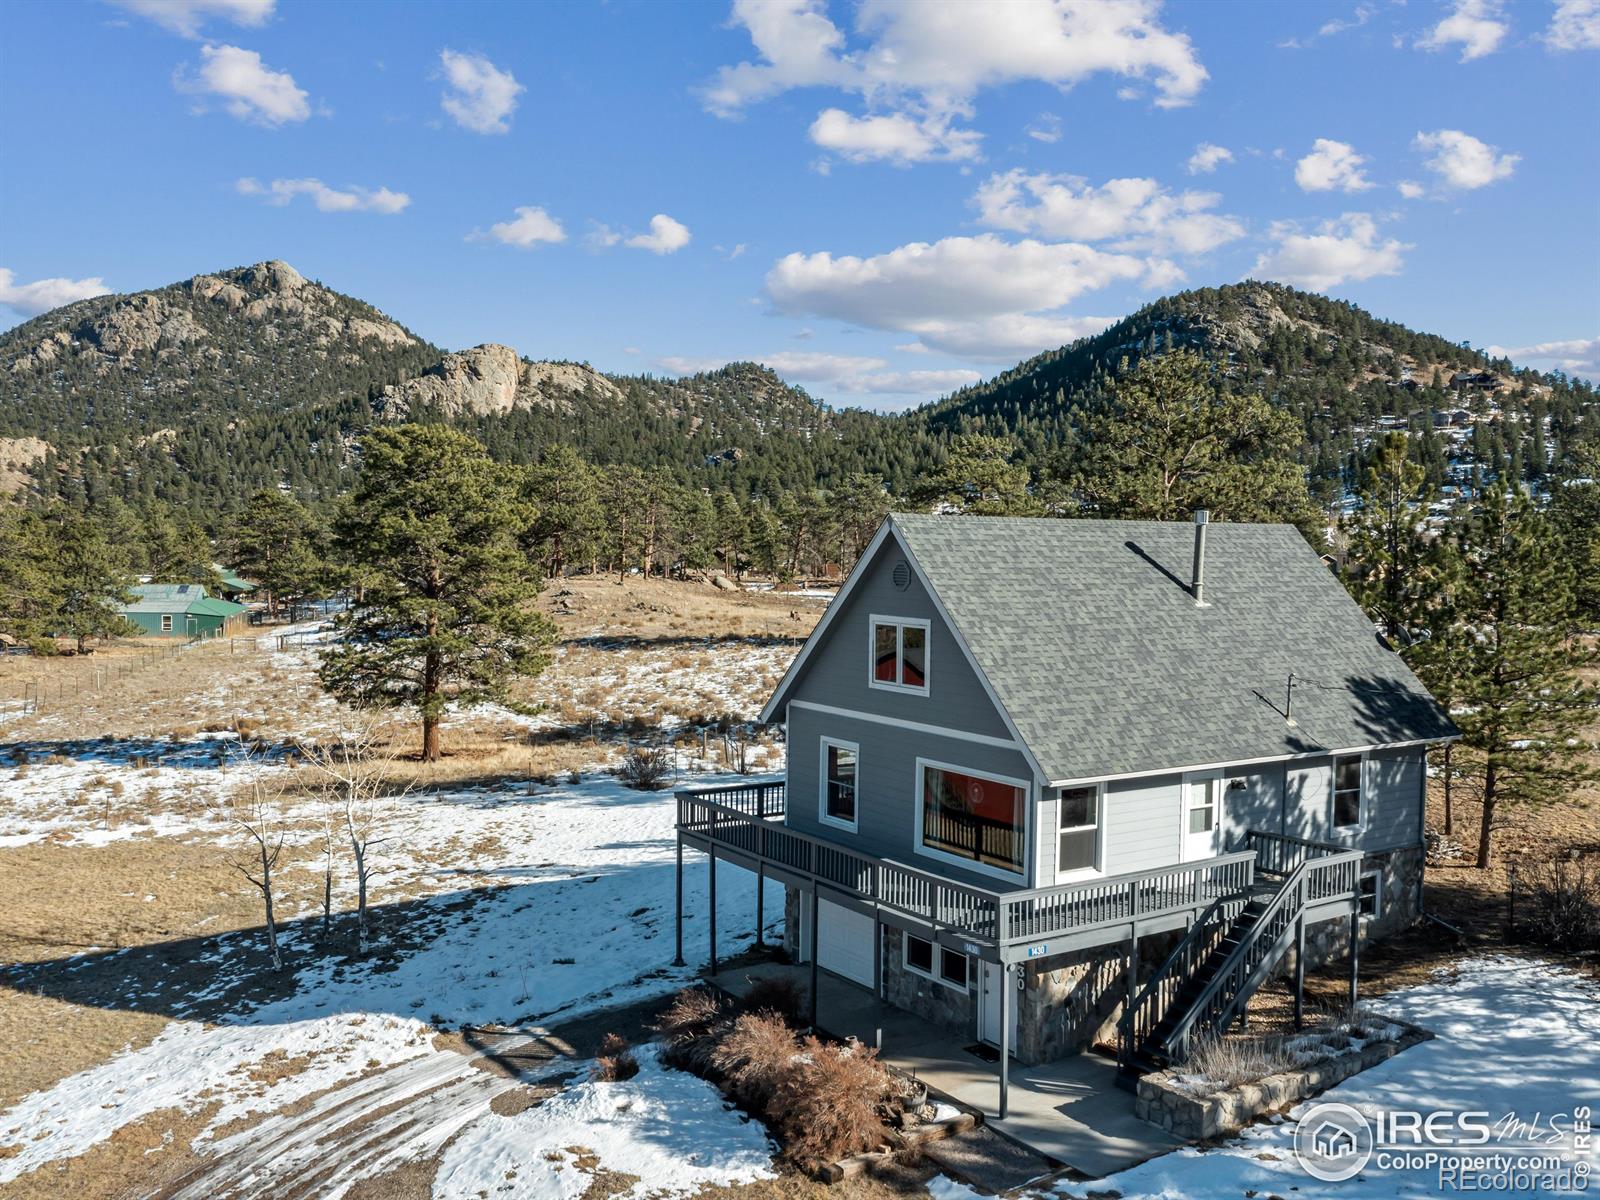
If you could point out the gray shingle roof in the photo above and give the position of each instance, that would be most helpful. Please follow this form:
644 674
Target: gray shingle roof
1089 637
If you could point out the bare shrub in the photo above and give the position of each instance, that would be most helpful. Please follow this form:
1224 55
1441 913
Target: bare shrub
615 1062
753 1057
1562 908
646 768
1229 1062
780 995
833 1103
688 1029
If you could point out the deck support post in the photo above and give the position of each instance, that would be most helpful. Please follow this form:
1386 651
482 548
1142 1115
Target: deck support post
1300 972
1133 965
1005 1040
877 981
761 898
677 957
713 926
1355 944
814 956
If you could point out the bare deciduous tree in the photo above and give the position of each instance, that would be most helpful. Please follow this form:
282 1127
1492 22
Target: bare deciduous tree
256 813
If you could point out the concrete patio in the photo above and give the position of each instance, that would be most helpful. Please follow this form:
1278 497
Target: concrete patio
1071 1111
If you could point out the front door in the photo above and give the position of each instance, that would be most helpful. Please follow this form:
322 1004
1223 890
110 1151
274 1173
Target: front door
990 980
1202 815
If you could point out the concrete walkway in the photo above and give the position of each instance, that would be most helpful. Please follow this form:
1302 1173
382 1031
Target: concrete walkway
1070 1111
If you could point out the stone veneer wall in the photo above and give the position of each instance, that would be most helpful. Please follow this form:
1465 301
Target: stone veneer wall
1071 1001
954 1009
1402 871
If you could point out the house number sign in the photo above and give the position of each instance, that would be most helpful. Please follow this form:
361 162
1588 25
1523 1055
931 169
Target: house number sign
1039 951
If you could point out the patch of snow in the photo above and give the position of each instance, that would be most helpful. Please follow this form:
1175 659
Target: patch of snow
670 1129
1513 1037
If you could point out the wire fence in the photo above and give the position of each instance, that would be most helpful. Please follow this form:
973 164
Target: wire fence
94 678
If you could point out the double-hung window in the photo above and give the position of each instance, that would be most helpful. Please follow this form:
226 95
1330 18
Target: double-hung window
899 655
840 764
166 622
923 957
1080 830
1347 792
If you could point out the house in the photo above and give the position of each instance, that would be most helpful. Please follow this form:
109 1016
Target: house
179 610
235 587
1084 781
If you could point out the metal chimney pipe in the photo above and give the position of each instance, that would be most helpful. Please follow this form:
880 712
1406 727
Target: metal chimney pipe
1197 588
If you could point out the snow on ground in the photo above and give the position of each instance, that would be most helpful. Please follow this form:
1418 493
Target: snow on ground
1514 1037
543 906
670 1129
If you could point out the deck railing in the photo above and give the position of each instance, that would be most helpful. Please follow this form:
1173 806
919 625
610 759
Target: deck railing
1281 853
750 825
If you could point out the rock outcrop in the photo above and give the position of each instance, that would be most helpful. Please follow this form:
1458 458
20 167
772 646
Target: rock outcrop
491 380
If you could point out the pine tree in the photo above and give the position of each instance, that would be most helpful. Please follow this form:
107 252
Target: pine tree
447 612
1517 661
570 519
1394 568
27 575
275 544
978 475
88 578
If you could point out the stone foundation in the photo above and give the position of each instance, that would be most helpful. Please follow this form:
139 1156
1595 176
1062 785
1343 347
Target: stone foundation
1402 870
952 1009
1071 1001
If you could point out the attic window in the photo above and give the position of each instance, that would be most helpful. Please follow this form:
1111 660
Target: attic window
899 655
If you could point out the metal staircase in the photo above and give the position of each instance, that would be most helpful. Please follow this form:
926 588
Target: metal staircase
1231 950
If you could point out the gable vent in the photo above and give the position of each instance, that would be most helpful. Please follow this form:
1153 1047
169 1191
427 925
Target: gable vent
901 575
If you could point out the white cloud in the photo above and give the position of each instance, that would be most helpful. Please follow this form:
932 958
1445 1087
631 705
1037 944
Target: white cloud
1410 189
1462 161
1474 25
327 199
1575 356
530 227
1207 157
251 90
914 383
837 373
817 366
1575 26
666 236
1046 129
1331 165
187 17
923 64
479 95
31 299
1340 250
893 137
979 297
1136 214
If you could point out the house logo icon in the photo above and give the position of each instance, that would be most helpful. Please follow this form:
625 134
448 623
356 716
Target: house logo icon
1333 1142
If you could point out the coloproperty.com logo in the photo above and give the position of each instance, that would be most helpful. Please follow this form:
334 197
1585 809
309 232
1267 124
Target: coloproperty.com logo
1545 1154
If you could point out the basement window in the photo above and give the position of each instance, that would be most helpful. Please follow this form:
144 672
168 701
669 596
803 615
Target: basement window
1372 895
921 955
899 655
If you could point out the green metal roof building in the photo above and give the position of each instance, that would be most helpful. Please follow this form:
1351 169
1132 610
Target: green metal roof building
178 610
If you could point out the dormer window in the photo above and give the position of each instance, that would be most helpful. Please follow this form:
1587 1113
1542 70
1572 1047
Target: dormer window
899 655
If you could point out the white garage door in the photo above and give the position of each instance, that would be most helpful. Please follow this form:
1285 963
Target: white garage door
844 941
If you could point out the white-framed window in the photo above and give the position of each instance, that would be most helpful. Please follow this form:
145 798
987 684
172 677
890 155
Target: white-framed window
1371 905
840 770
936 962
1349 804
898 654
1200 800
978 821
1079 841
166 622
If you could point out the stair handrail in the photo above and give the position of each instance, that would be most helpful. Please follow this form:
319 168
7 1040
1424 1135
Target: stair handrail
1127 1033
1278 917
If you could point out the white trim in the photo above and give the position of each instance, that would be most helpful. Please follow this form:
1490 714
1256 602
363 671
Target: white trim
1099 867
835 606
939 951
1376 874
823 816
901 624
901 723
972 864
1148 773
1363 813
166 622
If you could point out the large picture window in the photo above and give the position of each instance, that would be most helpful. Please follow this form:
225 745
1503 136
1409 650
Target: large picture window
840 761
1347 792
899 654
973 817
1080 830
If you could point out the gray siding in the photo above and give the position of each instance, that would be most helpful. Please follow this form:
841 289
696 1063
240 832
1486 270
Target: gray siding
1256 805
886 790
1142 823
837 672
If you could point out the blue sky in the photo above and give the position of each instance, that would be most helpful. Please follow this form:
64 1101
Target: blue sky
883 200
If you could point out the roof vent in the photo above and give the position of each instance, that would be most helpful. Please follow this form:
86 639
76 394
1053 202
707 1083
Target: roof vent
1197 588
901 576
